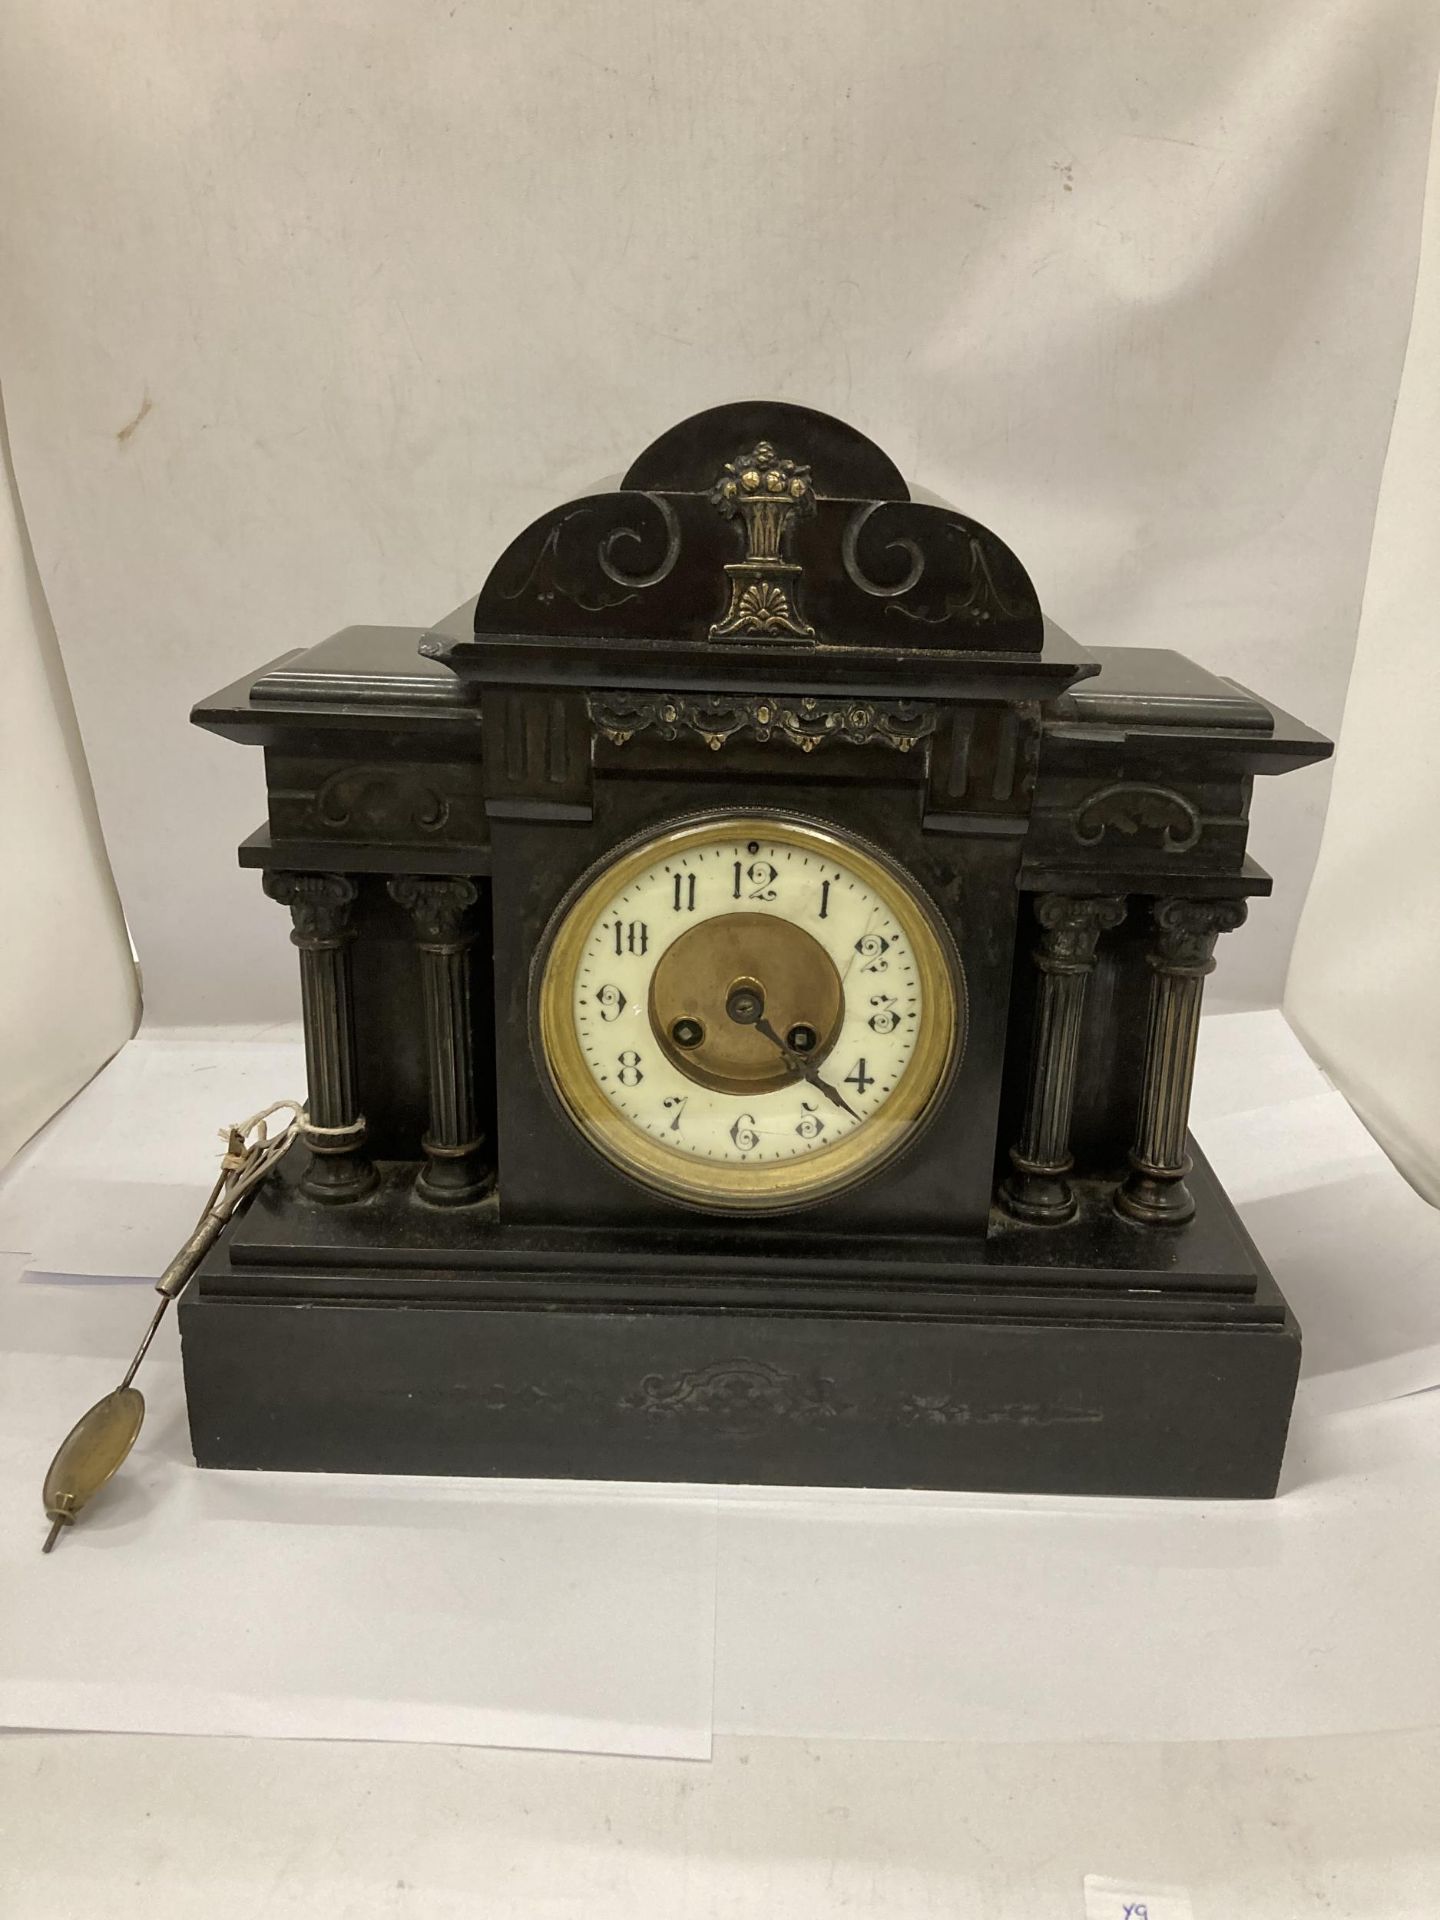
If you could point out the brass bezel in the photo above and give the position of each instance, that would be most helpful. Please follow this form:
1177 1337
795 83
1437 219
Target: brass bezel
764 1187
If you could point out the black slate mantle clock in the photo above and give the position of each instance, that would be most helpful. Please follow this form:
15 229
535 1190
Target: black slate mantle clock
751 965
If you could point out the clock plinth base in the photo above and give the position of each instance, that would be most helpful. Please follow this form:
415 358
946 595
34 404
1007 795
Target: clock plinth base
1009 1370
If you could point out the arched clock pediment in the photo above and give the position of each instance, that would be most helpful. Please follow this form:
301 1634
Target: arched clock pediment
682 459
760 523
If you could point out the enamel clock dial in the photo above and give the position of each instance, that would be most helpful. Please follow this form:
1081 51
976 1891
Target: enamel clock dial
749 1012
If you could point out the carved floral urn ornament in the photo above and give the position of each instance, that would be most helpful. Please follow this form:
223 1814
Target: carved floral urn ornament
751 963
766 494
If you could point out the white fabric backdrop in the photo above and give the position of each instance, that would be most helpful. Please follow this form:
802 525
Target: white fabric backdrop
1361 989
68 993
306 310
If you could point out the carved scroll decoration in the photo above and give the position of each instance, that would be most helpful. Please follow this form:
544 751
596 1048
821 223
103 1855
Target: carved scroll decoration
960 556
1130 807
741 1395
575 561
850 556
381 799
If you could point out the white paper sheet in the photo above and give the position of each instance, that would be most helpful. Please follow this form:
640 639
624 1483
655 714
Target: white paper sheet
1107 1899
1249 1060
974 1617
1355 1249
112 1186
329 1606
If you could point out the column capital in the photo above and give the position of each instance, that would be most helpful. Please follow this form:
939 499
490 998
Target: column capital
437 904
1072 926
319 903
1187 930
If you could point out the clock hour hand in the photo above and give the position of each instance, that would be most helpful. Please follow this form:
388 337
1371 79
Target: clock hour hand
808 1074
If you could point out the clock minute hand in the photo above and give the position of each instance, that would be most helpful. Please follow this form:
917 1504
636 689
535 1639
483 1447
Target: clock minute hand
762 1025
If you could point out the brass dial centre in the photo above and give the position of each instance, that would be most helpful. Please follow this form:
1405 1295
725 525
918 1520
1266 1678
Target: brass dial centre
703 995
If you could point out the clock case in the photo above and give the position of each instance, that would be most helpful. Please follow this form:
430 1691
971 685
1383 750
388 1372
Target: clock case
1046 1291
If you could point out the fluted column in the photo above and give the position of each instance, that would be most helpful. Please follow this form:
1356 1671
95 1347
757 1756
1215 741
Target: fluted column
1182 955
319 904
455 1168
1037 1188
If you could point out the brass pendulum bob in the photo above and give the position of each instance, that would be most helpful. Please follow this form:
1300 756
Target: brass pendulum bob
97 1445
92 1451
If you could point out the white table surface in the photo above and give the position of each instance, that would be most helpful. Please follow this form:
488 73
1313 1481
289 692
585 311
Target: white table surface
134 1827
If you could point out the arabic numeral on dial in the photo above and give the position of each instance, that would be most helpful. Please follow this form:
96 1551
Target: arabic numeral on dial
744 1135
630 1074
755 881
674 1103
631 936
884 1019
810 1126
611 1002
872 949
858 1077
683 899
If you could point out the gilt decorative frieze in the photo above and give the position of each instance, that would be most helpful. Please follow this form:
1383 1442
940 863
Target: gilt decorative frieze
805 722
